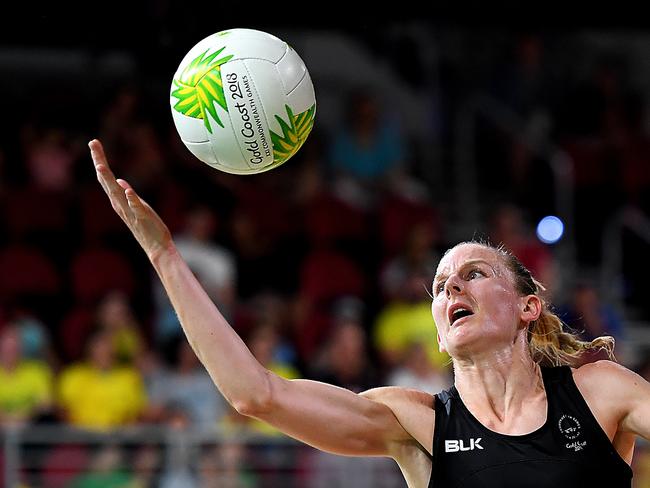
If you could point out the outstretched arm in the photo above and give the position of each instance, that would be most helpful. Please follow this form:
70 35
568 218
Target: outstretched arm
324 416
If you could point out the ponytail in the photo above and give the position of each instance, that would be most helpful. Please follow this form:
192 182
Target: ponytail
551 345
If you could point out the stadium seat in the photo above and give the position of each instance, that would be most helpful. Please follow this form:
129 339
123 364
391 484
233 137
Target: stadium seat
397 216
32 211
325 276
271 213
27 271
328 219
96 214
95 271
75 328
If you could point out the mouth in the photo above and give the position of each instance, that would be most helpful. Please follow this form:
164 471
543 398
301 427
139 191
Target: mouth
458 312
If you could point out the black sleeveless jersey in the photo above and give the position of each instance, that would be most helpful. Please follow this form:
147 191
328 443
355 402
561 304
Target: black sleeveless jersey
569 450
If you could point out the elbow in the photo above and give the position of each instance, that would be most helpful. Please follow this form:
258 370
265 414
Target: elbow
260 401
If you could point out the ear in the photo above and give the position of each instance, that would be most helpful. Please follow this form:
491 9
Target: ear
531 308
441 346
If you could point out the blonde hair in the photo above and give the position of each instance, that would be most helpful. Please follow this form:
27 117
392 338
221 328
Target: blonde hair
549 343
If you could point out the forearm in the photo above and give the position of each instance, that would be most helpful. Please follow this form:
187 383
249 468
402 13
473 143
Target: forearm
238 375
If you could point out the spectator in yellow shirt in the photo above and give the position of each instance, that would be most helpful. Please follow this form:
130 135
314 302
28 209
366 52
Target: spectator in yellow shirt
25 385
115 315
406 320
99 394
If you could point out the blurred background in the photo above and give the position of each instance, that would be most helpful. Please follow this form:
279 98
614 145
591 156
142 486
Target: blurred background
428 132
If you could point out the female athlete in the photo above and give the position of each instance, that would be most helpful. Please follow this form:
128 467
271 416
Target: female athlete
515 417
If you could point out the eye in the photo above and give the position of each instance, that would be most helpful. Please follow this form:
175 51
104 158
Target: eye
473 273
439 287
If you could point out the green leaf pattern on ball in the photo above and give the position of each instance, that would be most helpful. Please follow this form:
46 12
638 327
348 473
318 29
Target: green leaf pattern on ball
199 87
293 134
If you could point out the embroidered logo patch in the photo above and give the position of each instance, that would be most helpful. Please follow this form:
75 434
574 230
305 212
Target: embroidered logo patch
571 429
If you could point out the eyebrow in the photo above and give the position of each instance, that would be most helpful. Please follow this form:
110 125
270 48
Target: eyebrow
465 264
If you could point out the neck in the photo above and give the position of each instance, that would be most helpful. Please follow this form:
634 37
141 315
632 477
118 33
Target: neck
500 382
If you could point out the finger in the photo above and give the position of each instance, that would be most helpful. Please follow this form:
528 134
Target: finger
134 201
107 179
103 176
110 186
123 183
97 152
99 158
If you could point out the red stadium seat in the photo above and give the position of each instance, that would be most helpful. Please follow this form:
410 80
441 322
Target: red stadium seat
397 216
325 276
76 327
96 271
312 333
98 219
272 213
25 271
328 219
32 210
172 208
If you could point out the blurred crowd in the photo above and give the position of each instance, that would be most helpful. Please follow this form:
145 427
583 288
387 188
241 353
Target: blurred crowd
323 266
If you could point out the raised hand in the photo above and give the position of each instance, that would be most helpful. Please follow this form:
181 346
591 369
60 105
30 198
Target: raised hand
143 222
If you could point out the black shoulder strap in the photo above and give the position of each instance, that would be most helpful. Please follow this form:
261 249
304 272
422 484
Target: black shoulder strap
442 408
555 374
444 397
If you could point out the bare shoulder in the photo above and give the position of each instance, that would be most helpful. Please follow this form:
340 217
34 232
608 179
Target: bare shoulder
608 387
413 409
605 374
620 400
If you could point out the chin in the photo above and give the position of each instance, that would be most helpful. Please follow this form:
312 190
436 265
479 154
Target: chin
465 345
468 343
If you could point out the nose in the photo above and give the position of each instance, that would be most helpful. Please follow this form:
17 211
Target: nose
453 285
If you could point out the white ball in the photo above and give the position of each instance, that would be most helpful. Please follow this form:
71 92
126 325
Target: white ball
242 101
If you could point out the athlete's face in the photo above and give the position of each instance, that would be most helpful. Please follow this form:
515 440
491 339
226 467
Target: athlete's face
476 306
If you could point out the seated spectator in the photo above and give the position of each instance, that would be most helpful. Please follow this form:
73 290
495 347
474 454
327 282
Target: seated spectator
99 394
273 310
366 152
34 337
115 316
588 316
344 359
417 257
50 158
25 384
266 345
407 320
213 265
184 389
